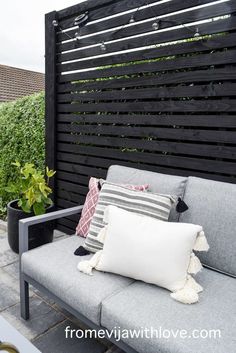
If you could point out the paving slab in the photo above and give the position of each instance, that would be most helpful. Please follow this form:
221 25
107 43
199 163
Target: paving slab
70 317
55 341
7 256
13 270
42 317
9 290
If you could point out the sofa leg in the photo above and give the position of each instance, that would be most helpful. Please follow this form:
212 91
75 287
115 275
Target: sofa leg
24 299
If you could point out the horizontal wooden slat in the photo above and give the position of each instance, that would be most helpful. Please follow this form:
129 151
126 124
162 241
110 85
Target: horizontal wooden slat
197 45
145 13
80 179
87 170
223 105
69 224
71 186
162 169
159 159
160 133
71 196
124 142
118 151
216 90
204 75
226 121
228 57
159 37
61 203
169 63
141 28
98 10
64 229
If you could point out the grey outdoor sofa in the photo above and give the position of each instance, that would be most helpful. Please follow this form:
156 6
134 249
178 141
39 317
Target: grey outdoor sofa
108 301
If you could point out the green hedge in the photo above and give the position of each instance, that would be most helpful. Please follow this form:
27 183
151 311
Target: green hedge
21 138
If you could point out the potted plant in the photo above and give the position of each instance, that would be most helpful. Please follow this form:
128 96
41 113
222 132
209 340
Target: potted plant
32 190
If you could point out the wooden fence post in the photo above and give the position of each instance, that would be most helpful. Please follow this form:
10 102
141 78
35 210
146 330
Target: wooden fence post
50 95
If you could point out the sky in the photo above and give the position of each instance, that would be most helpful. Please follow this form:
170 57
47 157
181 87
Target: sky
22 31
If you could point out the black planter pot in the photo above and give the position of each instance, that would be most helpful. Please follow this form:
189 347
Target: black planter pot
39 234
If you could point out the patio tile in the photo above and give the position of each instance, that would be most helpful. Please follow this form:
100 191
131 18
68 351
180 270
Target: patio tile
70 317
9 293
55 341
7 256
12 270
42 318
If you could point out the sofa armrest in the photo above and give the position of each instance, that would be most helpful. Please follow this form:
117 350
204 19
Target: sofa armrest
26 222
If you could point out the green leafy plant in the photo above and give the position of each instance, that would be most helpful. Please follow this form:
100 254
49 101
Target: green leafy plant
32 188
22 138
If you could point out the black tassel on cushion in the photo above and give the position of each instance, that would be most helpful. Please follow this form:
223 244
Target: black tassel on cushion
99 186
181 206
81 251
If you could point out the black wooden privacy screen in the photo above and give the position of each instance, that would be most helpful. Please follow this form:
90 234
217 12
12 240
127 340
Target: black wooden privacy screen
147 84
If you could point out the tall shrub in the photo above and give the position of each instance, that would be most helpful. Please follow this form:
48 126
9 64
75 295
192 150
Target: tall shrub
21 138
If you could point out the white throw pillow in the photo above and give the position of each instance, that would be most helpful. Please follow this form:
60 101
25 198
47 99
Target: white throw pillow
150 250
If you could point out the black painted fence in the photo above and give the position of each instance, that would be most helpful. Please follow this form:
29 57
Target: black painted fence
153 88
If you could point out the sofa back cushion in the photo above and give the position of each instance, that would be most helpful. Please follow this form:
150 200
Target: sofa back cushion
212 204
158 183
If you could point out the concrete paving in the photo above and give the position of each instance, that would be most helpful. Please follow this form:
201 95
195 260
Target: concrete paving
45 328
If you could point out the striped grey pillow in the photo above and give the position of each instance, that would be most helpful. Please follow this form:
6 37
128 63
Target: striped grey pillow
145 203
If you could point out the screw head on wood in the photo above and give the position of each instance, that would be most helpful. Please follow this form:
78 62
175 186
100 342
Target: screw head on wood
55 23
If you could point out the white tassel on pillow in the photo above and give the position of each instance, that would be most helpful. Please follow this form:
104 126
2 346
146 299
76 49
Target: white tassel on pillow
189 293
185 296
194 285
194 264
201 243
87 266
102 235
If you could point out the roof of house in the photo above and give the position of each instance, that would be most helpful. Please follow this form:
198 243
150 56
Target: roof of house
16 83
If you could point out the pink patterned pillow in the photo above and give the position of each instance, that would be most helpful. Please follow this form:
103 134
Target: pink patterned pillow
91 202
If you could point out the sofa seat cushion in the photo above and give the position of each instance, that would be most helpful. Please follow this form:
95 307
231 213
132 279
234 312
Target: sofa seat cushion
146 306
55 267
